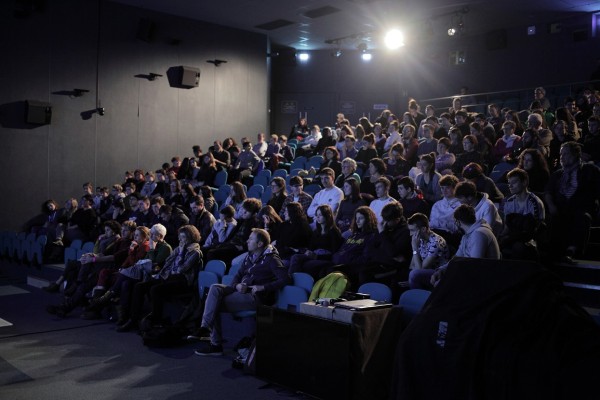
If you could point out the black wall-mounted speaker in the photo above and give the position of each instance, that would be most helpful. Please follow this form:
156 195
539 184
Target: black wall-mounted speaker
190 76
38 112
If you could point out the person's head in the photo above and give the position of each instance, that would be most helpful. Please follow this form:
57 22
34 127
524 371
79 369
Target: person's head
118 205
475 129
175 186
518 180
472 171
539 93
364 220
278 186
464 215
570 154
593 124
208 161
392 214
296 185
197 204
532 159
165 212
128 229
141 234
560 129
260 137
348 166
187 235
246 146
369 140
315 130
227 213
49 206
176 162
144 204
393 126
156 203
351 189
428 131
406 187
397 151
112 228
294 212
324 216
534 121
237 192
443 145
217 146
460 117
418 225
427 163
455 136
87 201
429 110
88 188
508 128
447 185
274 139
250 207
382 187
408 132
494 110
327 177
466 193
258 241
331 153
456 103
349 141
469 143
158 232
376 167
197 150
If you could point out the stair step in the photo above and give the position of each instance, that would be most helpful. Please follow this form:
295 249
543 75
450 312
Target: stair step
587 295
585 271
37 281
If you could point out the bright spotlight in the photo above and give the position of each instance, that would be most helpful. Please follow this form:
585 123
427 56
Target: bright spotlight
366 56
303 56
451 32
394 39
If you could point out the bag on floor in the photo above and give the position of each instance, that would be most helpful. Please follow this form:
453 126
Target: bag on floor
246 359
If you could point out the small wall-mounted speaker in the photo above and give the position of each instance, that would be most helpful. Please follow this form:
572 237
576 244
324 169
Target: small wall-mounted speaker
190 76
38 112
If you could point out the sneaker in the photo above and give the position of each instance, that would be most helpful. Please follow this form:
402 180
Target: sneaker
202 334
210 350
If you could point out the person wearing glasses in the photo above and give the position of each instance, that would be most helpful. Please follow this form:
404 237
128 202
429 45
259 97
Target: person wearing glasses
278 194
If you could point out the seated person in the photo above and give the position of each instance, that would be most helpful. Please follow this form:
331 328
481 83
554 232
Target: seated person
467 193
201 218
505 145
444 159
324 241
382 189
172 218
175 277
474 173
468 156
246 163
428 248
294 232
278 194
330 194
428 181
441 219
143 216
376 170
257 282
396 165
412 202
236 242
221 228
352 200
297 194
348 171
522 214
478 242
237 195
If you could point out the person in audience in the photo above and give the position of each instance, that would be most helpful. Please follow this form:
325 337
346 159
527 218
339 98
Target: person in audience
236 241
571 129
120 212
367 152
324 241
175 196
52 214
495 118
197 151
222 228
247 162
540 95
470 155
201 218
144 215
348 149
534 163
473 173
257 282
220 155
376 170
396 165
484 146
175 277
456 141
326 141
286 153
461 118
294 233
512 116
542 135
522 214
208 171
331 160
441 219
486 128
237 195
260 148
429 250
300 130
307 146
149 185
380 138
172 218
352 251
351 200
393 136
412 202
155 204
466 192
156 255
82 223
428 181
330 194
410 143
444 159
572 196
348 171
297 195
382 190
505 145
273 148
344 131
162 188
278 193
270 221
478 241
591 142
429 145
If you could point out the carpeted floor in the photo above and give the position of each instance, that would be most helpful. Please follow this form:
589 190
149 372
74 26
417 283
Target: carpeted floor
44 357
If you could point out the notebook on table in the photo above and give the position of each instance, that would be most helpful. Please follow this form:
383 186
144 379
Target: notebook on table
362 304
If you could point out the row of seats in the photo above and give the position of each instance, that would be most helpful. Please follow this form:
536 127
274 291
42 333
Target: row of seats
23 247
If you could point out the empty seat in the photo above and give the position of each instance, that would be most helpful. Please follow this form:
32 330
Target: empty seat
378 291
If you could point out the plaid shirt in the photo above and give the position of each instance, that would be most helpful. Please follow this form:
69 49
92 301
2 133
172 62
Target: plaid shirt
304 199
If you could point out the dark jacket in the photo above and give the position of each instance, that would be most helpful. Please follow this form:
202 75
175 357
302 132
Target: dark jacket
353 251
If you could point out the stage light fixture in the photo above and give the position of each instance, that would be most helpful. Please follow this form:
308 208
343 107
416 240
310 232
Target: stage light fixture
394 39
303 56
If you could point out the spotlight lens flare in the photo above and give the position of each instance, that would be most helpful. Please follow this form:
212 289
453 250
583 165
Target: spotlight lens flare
451 32
394 39
366 56
303 56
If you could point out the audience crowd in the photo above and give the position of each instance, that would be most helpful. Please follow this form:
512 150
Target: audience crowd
390 200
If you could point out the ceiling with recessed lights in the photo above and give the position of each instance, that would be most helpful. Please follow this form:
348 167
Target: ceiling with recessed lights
331 24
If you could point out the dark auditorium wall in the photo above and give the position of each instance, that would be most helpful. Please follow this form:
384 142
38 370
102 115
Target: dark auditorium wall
86 44
322 86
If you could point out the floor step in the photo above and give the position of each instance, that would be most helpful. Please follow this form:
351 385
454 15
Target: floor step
37 281
585 271
587 295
